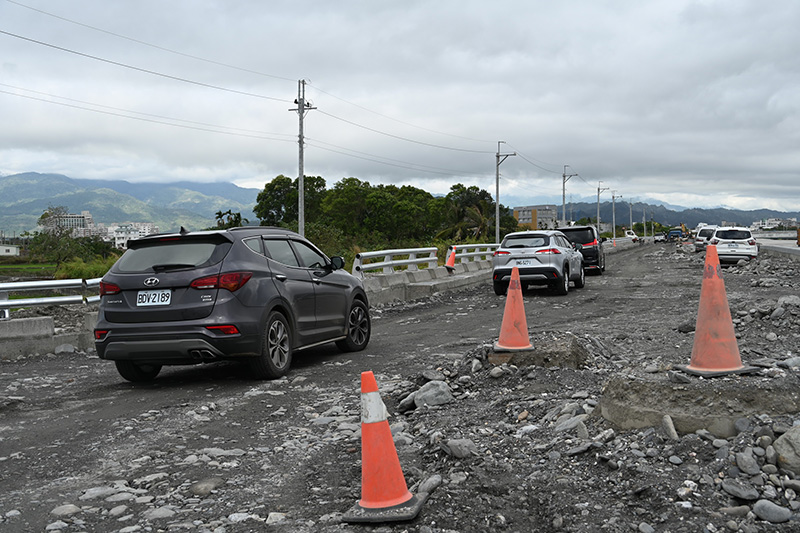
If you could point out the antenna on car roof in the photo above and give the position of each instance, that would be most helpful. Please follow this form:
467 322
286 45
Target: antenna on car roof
184 231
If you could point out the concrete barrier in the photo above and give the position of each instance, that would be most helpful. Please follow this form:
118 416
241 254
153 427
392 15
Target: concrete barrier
24 336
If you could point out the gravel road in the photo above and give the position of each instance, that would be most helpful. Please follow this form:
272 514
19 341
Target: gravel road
206 449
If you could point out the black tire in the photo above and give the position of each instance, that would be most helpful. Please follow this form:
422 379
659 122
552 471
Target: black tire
137 372
500 287
562 287
581 281
276 349
359 328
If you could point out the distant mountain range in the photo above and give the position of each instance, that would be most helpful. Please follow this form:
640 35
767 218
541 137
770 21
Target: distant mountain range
24 197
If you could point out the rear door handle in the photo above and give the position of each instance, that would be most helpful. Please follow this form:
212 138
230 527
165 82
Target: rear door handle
280 277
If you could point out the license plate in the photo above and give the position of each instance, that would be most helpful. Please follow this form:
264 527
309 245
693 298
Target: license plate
733 245
157 297
524 262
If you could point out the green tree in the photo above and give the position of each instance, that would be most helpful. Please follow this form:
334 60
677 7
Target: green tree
54 243
229 219
277 203
345 205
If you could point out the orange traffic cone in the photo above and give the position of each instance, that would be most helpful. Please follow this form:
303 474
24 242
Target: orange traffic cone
715 351
450 265
514 330
384 494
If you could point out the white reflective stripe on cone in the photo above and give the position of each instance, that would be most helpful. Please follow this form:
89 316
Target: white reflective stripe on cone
372 408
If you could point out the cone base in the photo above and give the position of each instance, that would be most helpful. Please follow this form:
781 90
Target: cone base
714 373
500 348
397 513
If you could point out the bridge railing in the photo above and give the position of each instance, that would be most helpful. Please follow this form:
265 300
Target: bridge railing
392 259
471 252
82 285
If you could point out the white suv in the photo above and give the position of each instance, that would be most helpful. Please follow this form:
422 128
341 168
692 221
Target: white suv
702 238
733 244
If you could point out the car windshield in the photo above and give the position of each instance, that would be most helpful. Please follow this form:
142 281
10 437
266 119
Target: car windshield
159 256
706 233
733 235
581 236
526 241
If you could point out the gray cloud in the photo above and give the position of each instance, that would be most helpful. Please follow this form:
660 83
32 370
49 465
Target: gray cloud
689 102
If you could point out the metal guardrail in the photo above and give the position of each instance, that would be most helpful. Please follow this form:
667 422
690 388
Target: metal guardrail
471 252
84 285
410 257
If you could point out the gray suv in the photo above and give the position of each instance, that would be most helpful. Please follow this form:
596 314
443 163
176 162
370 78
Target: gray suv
543 257
254 294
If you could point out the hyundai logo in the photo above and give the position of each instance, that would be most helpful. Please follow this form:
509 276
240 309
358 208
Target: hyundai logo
151 282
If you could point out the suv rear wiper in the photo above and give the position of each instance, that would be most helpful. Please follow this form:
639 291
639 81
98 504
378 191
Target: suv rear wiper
171 266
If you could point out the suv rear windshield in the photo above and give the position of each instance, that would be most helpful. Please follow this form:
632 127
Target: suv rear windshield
733 234
581 235
159 256
705 233
526 241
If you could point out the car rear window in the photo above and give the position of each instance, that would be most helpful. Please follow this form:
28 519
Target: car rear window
526 241
706 233
733 234
581 236
171 255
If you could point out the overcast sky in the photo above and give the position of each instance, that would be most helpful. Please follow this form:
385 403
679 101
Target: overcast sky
692 103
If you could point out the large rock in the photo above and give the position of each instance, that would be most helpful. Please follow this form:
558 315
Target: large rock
788 448
433 393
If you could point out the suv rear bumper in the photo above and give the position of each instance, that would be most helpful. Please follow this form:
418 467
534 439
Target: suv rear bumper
187 347
533 275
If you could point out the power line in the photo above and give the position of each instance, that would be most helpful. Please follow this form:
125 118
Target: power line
134 112
153 121
139 69
404 138
531 162
145 43
415 165
398 120
383 162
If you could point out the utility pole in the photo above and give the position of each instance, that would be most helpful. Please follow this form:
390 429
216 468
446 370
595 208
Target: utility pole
599 190
630 209
499 159
564 179
303 107
614 217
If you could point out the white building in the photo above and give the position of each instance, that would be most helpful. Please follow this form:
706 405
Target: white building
9 249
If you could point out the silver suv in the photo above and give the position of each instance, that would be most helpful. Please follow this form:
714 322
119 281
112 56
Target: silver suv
543 257
253 294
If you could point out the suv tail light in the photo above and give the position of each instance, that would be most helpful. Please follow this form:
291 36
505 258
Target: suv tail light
751 242
593 243
107 289
231 281
714 242
500 252
549 251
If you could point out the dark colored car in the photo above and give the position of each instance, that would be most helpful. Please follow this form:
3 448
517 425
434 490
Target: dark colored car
594 258
254 294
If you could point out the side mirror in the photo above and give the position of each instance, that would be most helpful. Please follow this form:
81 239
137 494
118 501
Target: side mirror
337 262
603 239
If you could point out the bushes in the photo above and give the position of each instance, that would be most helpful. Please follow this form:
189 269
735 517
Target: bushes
79 269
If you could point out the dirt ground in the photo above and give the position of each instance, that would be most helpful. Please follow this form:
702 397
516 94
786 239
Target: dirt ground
516 448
